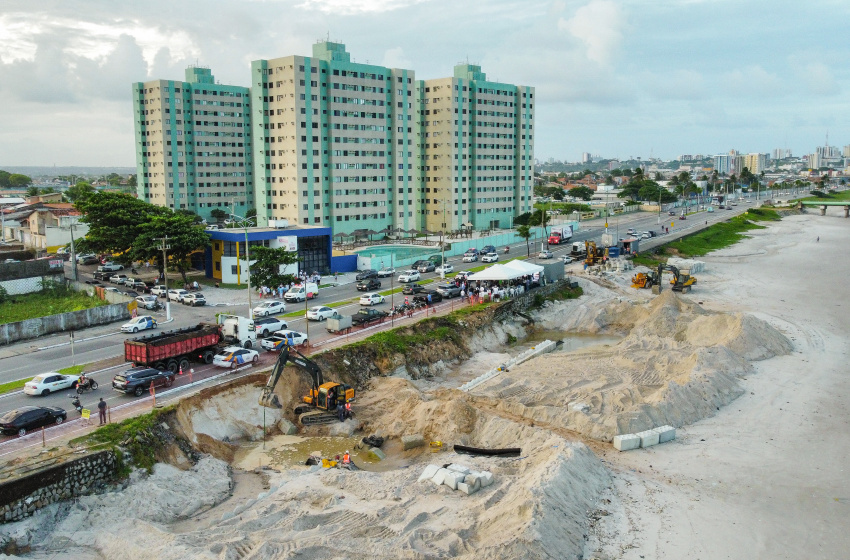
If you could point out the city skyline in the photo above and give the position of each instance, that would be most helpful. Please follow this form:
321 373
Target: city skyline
621 79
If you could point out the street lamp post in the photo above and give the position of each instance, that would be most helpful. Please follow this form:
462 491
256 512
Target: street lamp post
164 246
245 222
73 253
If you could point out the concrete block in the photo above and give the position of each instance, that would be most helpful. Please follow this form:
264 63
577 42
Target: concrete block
486 478
452 478
648 438
429 472
377 454
466 488
287 428
626 442
666 433
412 441
472 481
458 468
440 477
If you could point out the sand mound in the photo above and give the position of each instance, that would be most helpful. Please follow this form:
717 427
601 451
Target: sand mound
678 364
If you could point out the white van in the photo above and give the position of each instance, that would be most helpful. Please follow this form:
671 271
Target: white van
297 293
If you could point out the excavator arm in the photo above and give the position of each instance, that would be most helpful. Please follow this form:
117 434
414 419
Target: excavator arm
289 354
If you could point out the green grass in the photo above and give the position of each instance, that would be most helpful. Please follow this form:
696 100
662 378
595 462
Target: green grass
12 386
49 302
71 370
836 197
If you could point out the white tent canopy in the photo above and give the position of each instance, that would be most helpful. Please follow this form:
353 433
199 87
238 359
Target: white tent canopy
525 267
497 272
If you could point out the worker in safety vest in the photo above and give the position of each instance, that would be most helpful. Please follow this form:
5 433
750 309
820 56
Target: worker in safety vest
348 410
346 459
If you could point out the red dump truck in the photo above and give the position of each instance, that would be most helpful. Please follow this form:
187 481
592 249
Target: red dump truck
173 350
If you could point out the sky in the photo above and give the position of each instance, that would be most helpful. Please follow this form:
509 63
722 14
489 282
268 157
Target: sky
617 78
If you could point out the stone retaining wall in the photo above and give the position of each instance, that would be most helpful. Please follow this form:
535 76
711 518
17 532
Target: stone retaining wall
71 321
21 497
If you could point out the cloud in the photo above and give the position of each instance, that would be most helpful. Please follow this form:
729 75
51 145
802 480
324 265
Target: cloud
751 81
816 77
394 58
677 84
350 7
599 26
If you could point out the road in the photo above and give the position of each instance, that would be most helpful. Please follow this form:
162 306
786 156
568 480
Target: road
26 359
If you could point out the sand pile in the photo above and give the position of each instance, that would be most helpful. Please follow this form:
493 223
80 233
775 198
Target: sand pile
678 364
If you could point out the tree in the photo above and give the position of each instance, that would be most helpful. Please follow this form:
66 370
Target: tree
4 179
584 193
653 192
265 271
185 236
522 219
79 191
16 180
32 190
131 182
218 214
540 218
251 213
525 233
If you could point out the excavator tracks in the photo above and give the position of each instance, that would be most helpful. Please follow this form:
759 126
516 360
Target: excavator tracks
317 417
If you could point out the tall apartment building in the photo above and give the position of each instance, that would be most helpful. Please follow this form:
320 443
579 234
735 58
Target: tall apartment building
193 144
478 150
755 162
335 142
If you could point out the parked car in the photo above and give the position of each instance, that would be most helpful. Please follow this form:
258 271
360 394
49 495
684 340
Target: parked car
286 336
158 290
568 259
320 313
470 257
445 269
137 285
672 213
269 308
118 278
646 235
147 302
463 274
194 299
131 293
411 289
371 299
268 325
683 217
426 266
488 249
471 251
366 316
409 276
110 267
490 257
365 274
547 254
138 380
232 356
176 295
94 282
87 259
448 290
423 297
386 272
26 418
111 289
368 285
140 323
99 275
631 231
47 383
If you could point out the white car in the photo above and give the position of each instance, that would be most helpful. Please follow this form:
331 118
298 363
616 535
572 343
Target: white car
320 313
568 259
267 325
470 257
234 356
47 383
284 338
176 295
140 323
445 269
463 274
158 290
386 272
371 299
269 308
545 254
148 302
490 257
409 276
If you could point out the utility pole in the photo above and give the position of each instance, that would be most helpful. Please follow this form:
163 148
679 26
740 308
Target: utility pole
245 222
73 254
164 246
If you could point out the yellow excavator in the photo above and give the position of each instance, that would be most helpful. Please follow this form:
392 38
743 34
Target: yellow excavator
319 407
594 255
645 280
681 281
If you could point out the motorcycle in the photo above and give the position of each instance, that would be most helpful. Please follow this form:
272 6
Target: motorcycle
76 403
507 250
90 385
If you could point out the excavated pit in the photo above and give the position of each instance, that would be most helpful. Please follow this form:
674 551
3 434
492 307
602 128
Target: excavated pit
665 362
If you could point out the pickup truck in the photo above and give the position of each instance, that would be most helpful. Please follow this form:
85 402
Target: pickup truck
366 316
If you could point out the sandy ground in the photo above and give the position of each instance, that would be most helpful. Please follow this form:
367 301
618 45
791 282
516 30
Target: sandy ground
767 476
751 364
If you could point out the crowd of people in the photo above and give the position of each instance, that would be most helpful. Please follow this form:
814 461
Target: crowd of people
272 292
478 291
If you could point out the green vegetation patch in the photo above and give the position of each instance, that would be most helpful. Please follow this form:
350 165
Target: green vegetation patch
12 386
48 302
71 370
138 436
827 196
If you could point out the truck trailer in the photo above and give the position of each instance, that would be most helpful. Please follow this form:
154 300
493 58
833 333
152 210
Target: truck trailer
173 350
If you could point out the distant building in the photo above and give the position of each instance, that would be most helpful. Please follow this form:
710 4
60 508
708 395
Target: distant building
586 157
723 163
755 163
193 144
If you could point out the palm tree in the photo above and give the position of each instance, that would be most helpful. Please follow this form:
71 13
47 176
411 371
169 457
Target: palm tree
525 233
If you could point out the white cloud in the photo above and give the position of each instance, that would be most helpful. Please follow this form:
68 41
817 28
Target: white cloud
752 81
394 58
599 26
349 7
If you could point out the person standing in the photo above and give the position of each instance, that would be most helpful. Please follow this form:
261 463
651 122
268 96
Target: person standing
347 409
340 411
101 409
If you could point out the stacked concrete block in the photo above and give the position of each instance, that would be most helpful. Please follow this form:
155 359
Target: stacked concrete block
376 453
626 442
467 488
666 433
429 472
694 266
459 468
486 478
648 438
440 477
412 441
452 478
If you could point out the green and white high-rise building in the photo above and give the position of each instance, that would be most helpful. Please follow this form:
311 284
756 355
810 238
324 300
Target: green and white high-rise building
193 144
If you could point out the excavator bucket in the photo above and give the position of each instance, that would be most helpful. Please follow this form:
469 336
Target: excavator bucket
270 401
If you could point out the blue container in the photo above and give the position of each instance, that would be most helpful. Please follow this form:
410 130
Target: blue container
613 252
